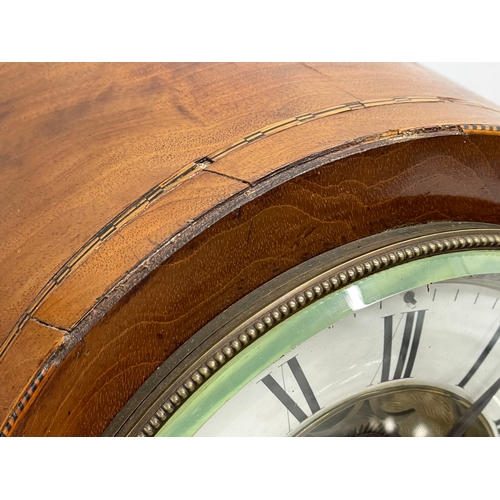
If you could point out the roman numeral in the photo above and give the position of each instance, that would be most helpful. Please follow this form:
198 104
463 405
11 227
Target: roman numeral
408 352
285 399
481 358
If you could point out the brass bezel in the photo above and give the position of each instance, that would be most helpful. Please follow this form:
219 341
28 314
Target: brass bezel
256 314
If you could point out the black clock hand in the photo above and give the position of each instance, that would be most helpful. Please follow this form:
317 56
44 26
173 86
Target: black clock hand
468 418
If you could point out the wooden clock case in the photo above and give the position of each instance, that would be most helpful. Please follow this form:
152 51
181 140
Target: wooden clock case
141 200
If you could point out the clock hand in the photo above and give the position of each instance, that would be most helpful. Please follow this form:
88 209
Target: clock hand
468 418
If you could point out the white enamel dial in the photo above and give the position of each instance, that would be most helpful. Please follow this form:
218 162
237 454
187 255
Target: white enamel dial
398 336
410 351
441 336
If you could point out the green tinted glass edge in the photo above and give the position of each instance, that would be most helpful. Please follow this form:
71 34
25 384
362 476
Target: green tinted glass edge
295 330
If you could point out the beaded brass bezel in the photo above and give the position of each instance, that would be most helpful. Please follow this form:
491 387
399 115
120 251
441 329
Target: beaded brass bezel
255 315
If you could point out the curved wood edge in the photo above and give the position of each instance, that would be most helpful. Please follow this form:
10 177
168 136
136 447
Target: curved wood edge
159 222
443 178
189 171
80 142
160 253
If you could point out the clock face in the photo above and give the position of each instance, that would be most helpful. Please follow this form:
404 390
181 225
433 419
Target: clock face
400 340
407 365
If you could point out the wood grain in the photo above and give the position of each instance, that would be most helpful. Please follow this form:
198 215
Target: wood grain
80 142
110 170
340 202
28 353
77 294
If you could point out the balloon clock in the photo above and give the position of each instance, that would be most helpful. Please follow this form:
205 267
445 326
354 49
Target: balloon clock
248 250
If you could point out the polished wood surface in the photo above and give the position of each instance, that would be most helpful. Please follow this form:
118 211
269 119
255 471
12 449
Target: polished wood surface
142 200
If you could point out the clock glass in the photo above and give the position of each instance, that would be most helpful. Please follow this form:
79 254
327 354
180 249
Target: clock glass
402 341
